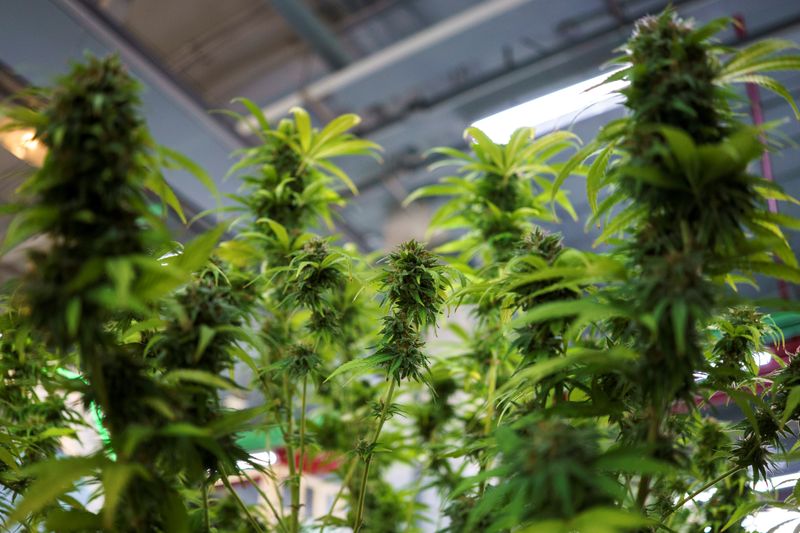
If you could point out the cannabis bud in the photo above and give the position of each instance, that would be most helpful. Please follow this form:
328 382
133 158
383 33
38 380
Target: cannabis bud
415 283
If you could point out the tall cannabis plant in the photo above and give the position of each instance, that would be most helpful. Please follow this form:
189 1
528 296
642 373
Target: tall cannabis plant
497 193
93 297
680 189
610 359
307 288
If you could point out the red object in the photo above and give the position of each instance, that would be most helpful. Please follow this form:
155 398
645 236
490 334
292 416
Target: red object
321 463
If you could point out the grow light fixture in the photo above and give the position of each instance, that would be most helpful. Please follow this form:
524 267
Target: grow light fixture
557 109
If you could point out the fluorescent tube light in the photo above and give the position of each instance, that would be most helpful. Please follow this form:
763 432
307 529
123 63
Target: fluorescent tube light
772 520
555 110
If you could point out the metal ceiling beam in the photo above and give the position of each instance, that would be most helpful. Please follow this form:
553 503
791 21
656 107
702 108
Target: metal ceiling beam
311 29
118 39
385 58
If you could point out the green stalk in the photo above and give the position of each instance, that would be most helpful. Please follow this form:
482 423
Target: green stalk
206 519
492 385
294 525
487 423
652 436
296 486
242 505
266 499
704 488
362 493
303 426
345 483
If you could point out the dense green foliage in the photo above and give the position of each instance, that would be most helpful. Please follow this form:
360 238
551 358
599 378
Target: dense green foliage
572 390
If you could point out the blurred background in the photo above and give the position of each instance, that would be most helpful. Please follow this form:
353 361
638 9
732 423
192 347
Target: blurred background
417 71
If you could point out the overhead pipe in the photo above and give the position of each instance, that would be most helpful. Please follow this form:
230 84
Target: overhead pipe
311 29
370 65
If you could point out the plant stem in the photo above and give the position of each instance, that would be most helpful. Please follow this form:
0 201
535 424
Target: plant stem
703 488
362 493
294 482
302 446
652 437
346 481
242 505
303 427
266 499
492 385
206 519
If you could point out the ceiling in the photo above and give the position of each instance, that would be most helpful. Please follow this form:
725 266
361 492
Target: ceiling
417 71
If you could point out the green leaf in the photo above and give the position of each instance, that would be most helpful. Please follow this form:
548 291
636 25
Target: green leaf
356 366
348 147
67 520
73 315
773 85
608 520
198 250
205 337
755 53
572 164
115 478
192 168
52 479
594 178
486 146
710 29
183 429
683 149
176 518
439 189
743 401
200 377
680 313
254 110
280 232
792 401
518 140
303 122
734 73
28 223
339 173
337 127
742 511
8 459
157 184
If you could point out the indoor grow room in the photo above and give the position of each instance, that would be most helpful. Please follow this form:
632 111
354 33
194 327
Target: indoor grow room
160 377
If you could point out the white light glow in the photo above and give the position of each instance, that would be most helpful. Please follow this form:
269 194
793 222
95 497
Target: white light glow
776 482
773 521
22 144
264 459
763 358
166 256
555 110
704 496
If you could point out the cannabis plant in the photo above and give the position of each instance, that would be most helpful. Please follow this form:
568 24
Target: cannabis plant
620 353
308 289
574 390
93 300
